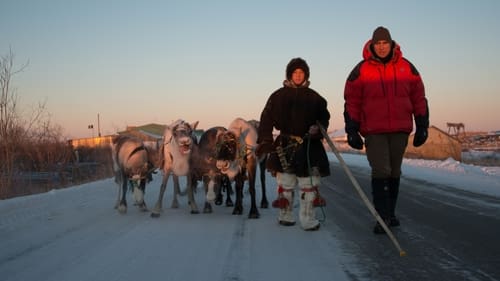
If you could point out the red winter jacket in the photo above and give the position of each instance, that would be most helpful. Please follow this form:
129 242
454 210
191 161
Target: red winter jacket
383 98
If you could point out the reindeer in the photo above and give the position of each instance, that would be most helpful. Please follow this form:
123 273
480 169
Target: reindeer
175 158
131 165
229 153
226 185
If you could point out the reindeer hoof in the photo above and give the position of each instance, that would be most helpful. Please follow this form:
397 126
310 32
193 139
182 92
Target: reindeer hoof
207 209
218 200
155 215
122 210
238 211
194 212
264 204
253 215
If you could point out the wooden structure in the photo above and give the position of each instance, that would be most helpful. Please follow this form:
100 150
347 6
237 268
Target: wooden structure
456 128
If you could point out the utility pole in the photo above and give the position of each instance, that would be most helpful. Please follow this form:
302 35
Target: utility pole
98 126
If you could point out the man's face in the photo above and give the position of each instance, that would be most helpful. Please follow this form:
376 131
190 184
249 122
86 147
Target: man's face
382 48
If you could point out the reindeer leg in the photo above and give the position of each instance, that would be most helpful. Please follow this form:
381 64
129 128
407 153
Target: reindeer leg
238 186
142 188
209 184
252 170
190 189
117 203
122 207
226 184
155 213
262 168
175 203
218 195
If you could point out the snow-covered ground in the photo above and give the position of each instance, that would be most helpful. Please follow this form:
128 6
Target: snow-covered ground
478 179
75 234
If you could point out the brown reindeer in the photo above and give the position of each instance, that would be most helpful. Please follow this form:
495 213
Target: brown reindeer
131 166
229 153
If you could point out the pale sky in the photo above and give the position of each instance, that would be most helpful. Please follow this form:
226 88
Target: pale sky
139 62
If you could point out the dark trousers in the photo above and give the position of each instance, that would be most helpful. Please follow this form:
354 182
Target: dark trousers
385 155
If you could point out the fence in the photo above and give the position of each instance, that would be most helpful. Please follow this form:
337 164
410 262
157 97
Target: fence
26 183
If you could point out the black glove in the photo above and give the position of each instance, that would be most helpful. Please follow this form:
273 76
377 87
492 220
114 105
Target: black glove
263 148
352 129
422 123
420 136
354 140
314 132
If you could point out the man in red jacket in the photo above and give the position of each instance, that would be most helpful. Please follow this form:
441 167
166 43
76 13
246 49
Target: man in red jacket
382 95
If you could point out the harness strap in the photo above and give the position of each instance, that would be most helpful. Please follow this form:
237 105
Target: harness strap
137 149
295 138
169 141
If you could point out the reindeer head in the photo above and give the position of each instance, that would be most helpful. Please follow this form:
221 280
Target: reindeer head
227 151
178 144
180 135
138 169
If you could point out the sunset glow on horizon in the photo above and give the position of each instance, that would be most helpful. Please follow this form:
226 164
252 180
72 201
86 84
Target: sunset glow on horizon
140 62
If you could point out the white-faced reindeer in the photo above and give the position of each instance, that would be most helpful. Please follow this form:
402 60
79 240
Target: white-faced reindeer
175 159
131 165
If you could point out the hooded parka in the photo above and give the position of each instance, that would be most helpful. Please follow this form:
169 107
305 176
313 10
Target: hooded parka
384 97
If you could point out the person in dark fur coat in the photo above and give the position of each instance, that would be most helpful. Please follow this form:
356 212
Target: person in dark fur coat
297 156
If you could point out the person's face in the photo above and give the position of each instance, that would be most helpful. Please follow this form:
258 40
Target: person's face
298 76
382 48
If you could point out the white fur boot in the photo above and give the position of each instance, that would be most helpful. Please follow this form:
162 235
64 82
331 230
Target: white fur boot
286 214
287 183
307 214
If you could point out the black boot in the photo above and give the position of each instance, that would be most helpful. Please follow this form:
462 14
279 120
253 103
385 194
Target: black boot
378 229
393 195
381 202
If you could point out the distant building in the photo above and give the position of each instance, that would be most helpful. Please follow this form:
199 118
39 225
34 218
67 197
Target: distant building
151 134
494 133
91 142
439 146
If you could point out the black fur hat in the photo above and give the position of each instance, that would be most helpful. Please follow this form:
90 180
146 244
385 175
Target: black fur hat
294 64
381 33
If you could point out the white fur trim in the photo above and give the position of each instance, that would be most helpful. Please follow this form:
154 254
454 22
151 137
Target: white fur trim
306 182
307 215
287 181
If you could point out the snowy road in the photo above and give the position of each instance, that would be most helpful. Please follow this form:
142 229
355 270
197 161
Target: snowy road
448 234
75 234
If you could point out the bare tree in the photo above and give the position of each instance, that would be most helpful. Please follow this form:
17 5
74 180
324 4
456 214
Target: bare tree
10 129
30 144
17 132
